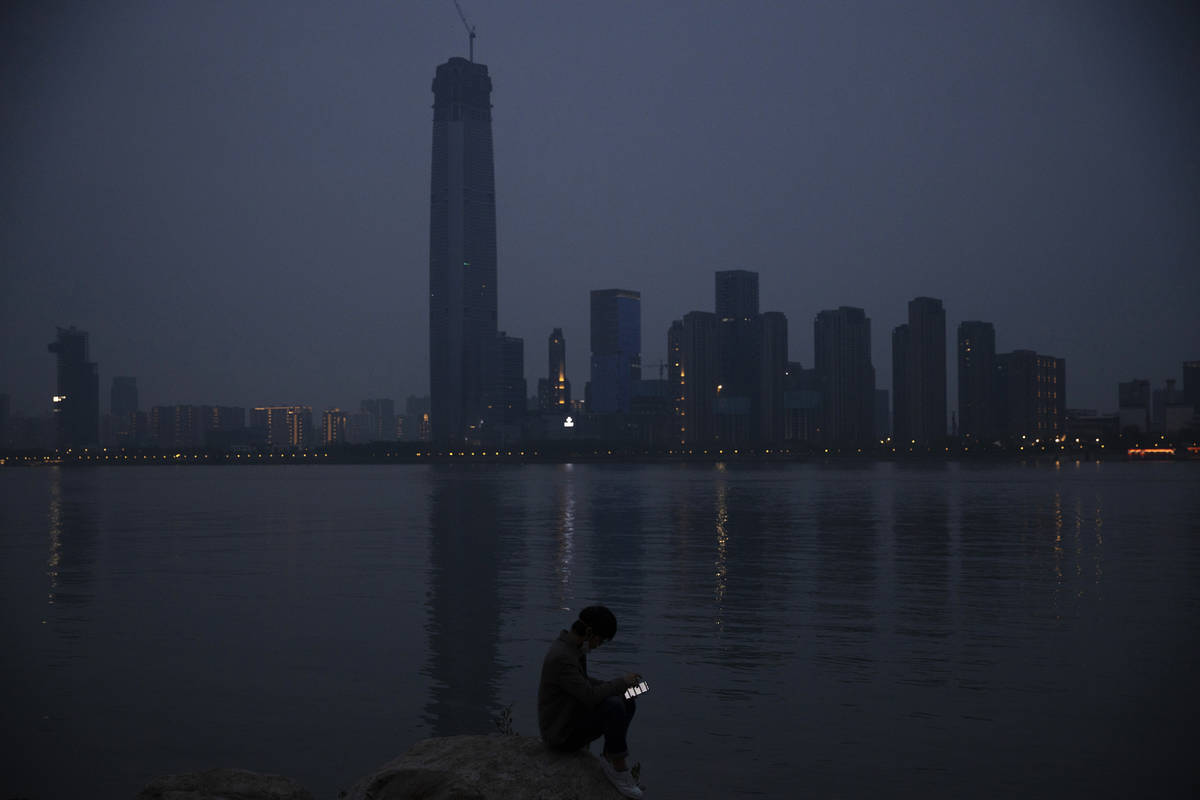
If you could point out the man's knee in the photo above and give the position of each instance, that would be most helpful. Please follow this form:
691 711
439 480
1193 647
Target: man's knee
617 707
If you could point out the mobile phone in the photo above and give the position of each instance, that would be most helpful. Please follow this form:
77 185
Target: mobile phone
634 691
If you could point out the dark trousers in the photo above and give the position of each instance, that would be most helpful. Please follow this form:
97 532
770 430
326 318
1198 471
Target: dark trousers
611 720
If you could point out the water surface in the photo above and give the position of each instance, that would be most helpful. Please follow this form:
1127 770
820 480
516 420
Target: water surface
861 630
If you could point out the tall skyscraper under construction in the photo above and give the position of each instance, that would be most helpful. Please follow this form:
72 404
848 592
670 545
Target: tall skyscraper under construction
462 251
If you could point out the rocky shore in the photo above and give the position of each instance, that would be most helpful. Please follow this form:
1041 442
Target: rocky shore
461 767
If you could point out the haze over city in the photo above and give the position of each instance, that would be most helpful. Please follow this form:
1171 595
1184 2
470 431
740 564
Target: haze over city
233 200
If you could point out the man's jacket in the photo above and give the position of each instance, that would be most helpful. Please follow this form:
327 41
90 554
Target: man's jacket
566 693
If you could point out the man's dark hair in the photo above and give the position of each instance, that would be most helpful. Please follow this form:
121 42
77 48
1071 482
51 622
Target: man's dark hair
602 622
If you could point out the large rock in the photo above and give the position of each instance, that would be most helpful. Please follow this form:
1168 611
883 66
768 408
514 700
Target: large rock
486 768
223 784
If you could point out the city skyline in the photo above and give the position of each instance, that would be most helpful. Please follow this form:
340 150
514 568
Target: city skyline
184 186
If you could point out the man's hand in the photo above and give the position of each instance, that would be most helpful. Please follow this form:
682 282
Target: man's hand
632 679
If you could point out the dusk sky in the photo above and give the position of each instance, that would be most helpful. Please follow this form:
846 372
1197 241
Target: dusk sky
232 198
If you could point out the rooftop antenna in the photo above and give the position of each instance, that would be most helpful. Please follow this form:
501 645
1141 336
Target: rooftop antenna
470 32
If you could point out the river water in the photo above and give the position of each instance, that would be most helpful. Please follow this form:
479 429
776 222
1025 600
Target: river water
850 630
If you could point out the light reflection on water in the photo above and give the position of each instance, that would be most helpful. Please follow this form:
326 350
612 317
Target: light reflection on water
55 518
882 629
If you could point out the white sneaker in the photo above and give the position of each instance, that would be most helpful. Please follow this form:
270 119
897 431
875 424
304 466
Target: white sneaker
623 780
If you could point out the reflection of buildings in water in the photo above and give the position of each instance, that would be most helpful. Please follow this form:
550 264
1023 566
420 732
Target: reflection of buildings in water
921 525
55 518
465 607
565 536
721 564
71 530
921 559
1097 524
1059 542
846 577
749 539
616 545
1057 516
1078 553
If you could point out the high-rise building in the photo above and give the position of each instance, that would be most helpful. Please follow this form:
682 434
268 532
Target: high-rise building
772 377
1191 385
736 294
117 427
901 417
221 425
381 425
1031 395
5 410
123 397
175 426
334 426
693 341
751 363
976 379
557 395
462 250
922 370
505 392
616 343
883 416
77 399
802 404
842 339
676 388
1172 413
283 426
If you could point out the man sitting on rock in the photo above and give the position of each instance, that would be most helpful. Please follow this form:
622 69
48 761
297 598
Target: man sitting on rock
574 708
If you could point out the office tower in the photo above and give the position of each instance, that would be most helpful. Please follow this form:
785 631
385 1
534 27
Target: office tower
752 362
772 376
462 250
694 339
920 371
335 425
77 398
736 294
283 426
1133 405
676 383
123 397
616 343
842 339
739 340
901 418
976 376
505 390
1030 395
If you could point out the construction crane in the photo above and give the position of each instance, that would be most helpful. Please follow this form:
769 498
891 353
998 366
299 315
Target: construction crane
470 32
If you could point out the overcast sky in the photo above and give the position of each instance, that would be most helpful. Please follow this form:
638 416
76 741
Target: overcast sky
233 197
